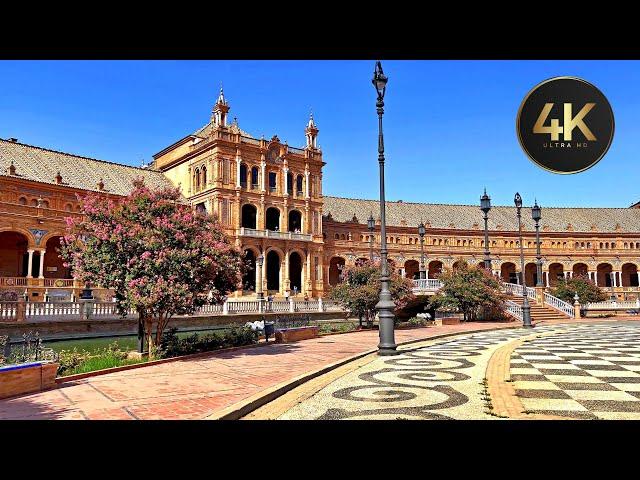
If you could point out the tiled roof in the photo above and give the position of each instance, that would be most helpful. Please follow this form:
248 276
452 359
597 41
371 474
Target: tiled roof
42 165
206 130
462 217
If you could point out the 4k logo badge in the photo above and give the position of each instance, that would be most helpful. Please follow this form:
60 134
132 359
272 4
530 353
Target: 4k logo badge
565 125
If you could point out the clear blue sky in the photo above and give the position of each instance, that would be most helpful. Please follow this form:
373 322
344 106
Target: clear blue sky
449 125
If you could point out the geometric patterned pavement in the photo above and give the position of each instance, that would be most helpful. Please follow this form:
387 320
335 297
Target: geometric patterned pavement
436 380
581 371
592 372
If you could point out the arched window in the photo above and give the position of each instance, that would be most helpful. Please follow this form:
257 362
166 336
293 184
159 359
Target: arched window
299 183
243 175
337 236
33 202
204 176
254 177
22 201
196 179
68 207
273 181
290 183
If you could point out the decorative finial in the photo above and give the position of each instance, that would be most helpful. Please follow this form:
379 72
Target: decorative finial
311 123
221 96
12 168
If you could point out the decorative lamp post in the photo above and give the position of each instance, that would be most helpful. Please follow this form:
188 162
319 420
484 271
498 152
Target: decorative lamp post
526 309
485 206
537 215
371 224
259 263
421 231
385 305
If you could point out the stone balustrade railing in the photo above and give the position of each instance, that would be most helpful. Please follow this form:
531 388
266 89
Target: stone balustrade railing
515 289
8 311
252 232
14 281
426 285
513 309
59 282
45 311
614 305
560 305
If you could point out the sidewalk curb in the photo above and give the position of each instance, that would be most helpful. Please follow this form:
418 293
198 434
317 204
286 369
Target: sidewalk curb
246 406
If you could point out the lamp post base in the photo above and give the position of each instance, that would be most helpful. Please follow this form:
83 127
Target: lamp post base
386 325
526 317
387 351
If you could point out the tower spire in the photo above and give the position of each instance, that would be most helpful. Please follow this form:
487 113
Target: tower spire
311 132
220 110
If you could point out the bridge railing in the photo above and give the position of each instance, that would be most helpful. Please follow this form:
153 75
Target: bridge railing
427 285
513 309
613 305
560 305
515 289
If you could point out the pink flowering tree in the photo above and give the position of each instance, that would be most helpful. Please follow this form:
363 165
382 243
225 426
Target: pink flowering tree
157 255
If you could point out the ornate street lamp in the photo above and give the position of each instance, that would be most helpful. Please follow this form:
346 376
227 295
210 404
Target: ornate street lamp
485 206
259 263
371 224
421 231
526 309
385 305
537 215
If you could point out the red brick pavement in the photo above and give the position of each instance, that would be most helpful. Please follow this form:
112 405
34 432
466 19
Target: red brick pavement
195 388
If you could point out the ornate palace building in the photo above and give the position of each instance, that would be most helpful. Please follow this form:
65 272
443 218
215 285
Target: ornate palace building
268 197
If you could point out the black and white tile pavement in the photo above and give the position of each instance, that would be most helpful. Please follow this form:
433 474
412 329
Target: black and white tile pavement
591 372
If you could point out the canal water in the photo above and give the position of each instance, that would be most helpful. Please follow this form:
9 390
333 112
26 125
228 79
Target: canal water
94 344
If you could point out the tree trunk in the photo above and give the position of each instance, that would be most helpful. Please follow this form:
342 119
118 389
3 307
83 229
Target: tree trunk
148 329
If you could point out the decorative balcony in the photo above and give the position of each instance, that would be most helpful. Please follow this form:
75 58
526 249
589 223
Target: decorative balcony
426 285
251 232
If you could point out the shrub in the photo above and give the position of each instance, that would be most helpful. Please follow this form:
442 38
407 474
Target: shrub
417 322
468 289
70 360
588 292
74 361
3 342
335 327
236 336
359 290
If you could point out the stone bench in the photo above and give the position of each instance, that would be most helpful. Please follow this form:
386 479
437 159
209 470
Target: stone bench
27 378
288 335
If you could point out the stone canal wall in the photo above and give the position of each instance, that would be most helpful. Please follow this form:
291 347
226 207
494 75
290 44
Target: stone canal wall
49 330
